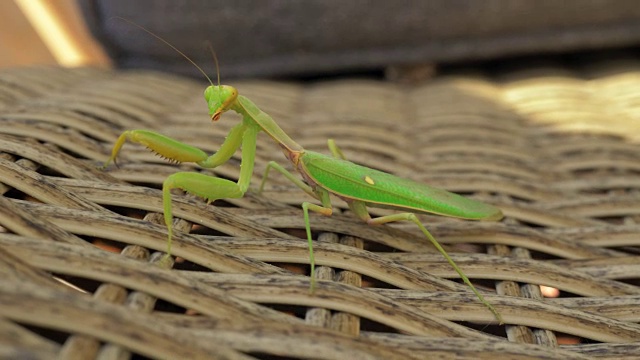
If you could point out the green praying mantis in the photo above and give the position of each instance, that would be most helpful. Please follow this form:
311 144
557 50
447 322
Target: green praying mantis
360 187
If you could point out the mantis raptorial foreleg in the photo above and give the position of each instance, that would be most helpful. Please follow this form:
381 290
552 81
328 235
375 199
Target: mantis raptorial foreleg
175 150
205 186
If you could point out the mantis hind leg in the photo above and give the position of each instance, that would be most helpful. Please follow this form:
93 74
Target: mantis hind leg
360 209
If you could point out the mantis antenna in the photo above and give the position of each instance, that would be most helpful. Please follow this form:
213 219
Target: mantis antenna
215 60
174 48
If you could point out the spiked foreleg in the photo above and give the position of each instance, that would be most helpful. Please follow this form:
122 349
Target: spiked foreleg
209 187
176 151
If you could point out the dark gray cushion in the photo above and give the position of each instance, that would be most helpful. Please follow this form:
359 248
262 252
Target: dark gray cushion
287 37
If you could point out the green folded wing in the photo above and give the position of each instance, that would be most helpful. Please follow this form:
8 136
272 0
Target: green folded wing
378 188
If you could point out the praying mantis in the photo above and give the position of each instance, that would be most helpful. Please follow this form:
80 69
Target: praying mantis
322 175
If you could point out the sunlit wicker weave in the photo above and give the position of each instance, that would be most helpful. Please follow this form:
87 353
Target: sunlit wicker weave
557 149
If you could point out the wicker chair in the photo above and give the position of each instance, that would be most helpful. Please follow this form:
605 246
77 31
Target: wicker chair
555 146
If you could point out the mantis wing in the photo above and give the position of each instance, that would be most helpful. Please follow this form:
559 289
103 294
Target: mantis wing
377 188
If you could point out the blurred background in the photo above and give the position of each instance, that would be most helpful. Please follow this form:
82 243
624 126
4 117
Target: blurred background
280 38
36 32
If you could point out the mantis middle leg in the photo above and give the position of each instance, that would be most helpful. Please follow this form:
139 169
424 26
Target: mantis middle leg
318 193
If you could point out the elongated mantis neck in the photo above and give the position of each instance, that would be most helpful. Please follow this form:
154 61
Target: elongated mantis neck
251 113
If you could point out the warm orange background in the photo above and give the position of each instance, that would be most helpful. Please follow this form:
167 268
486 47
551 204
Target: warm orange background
46 32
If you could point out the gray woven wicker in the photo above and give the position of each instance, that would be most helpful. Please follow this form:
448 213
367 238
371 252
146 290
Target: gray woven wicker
555 147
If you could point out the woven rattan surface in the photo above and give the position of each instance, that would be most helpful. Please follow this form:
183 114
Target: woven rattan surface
556 147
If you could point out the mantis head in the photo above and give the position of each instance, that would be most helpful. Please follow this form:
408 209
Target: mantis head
220 99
